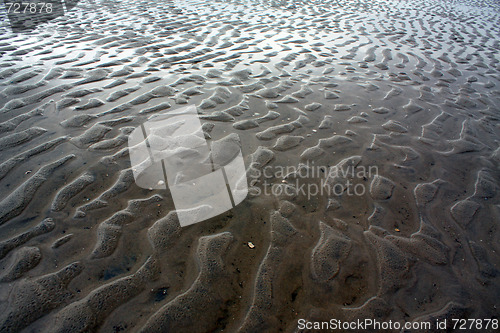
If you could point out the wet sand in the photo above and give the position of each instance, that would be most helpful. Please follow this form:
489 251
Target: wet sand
411 88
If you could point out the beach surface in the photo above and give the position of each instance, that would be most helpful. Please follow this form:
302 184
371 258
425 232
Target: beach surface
407 91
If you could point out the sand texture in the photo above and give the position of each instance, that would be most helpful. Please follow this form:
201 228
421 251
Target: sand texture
411 87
